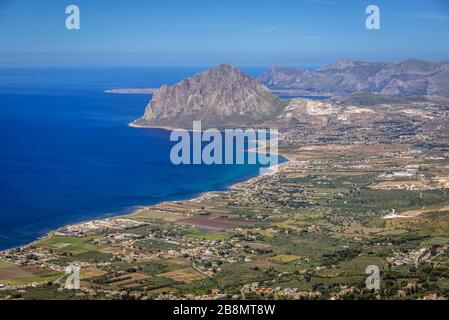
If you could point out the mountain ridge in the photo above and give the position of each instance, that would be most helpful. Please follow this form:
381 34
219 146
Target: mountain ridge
346 76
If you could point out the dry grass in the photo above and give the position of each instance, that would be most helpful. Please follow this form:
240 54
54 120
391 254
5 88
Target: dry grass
187 275
414 213
286 258
91 272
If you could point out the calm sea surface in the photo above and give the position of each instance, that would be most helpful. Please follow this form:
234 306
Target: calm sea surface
67 154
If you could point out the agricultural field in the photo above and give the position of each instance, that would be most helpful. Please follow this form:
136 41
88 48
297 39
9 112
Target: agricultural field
310 231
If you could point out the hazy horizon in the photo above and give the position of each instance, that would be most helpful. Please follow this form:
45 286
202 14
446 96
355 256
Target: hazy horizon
305 33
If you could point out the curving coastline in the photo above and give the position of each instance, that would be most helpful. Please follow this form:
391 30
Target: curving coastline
235 186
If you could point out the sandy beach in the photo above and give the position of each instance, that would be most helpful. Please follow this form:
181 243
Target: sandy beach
276 169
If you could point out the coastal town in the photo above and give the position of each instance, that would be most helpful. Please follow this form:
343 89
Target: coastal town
308 230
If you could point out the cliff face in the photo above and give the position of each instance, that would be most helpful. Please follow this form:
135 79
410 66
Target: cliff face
345 77
220 97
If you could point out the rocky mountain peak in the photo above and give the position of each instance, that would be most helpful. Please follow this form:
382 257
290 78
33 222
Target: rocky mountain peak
221 96
341 64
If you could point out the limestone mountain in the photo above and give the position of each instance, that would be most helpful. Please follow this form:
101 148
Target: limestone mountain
345 77
221 97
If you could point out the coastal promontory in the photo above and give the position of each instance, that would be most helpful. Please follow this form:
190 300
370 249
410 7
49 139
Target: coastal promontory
221 96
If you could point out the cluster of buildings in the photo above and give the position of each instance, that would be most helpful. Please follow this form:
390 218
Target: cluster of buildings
82 229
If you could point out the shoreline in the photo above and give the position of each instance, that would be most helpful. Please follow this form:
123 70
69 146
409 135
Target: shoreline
138 126
234 186
144 91
278 92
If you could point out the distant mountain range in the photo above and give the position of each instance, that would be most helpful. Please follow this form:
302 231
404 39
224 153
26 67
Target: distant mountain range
346 77
225 97
222 96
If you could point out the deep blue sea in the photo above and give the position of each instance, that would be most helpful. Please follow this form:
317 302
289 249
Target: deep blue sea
67 154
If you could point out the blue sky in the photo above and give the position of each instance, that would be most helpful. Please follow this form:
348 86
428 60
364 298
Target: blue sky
207 32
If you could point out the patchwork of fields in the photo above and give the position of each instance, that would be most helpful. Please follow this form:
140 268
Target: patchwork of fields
308 231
